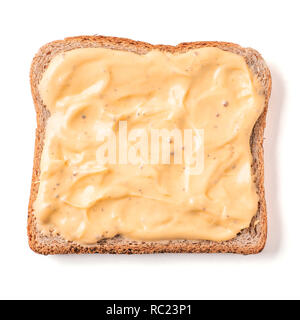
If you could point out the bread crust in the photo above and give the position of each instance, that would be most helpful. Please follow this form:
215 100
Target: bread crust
249 241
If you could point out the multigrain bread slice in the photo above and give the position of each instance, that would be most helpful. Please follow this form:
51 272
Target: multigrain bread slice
248 241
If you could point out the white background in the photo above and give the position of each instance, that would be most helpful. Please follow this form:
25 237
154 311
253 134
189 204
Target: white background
271 27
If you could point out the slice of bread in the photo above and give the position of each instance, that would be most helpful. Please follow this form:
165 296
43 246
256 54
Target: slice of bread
248 241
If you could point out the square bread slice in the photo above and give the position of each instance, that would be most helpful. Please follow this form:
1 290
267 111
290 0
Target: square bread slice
249 241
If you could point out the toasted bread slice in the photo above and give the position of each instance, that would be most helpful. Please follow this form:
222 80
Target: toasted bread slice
248 241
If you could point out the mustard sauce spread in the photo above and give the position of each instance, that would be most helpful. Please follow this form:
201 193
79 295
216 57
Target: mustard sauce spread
90 90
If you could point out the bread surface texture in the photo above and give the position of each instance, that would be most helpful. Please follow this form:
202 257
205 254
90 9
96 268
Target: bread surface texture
249 241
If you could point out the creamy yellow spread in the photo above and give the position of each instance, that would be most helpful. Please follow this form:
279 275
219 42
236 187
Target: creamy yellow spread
92 89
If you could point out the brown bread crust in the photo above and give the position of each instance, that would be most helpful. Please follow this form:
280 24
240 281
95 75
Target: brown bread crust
248 241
